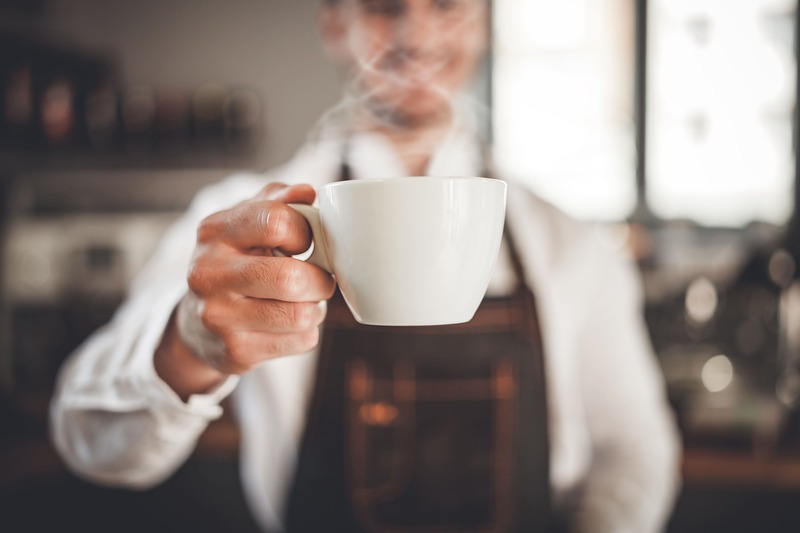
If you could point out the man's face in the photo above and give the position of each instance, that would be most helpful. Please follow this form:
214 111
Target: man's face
410 57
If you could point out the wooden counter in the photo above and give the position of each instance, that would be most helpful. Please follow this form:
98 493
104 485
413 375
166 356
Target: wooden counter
715 467
34 457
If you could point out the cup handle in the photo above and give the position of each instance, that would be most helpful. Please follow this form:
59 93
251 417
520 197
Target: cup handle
319 254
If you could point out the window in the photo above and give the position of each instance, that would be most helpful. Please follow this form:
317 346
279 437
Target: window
720 93
563 102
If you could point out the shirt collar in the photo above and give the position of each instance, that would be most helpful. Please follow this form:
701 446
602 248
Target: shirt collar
370 155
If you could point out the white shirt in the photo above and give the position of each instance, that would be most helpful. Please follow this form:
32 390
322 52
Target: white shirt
614 446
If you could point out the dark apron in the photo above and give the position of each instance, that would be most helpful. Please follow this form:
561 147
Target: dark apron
427 429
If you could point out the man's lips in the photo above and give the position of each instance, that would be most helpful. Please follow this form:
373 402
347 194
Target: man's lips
414 72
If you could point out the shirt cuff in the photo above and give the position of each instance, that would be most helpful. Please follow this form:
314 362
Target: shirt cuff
205 404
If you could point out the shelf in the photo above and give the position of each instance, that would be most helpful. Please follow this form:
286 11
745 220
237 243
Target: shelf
715 467
30 458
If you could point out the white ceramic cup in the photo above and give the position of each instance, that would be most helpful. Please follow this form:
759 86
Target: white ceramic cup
410 251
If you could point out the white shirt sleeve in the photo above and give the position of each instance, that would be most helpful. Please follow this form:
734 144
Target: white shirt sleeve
634 474
112 419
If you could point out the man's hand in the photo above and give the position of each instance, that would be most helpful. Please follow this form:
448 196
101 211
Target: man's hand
248 301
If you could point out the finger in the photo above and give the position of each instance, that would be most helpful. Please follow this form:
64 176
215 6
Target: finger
301 194
247 349
269 316
279 278
258 225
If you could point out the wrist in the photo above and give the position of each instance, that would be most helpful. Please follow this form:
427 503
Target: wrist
177 365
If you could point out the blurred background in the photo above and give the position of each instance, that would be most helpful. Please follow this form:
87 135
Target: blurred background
671 122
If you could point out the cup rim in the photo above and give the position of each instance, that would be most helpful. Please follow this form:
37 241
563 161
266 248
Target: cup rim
405 179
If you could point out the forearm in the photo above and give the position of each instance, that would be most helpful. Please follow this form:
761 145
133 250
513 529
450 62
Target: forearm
178 367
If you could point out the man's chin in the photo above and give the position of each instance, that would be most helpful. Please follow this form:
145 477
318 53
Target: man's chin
416 108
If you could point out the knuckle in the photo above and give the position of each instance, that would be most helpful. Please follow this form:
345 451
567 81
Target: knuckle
209 228
198 278
211 318
275 222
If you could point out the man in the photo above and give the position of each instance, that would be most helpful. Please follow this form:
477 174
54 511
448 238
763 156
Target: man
330 440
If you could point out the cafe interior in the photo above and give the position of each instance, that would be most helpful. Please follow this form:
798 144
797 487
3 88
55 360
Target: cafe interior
670 124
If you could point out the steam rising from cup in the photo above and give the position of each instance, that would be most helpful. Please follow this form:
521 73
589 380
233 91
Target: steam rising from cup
407 63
